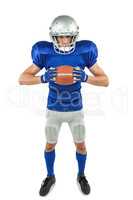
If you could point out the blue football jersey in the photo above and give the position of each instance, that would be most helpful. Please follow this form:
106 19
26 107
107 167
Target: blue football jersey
64 97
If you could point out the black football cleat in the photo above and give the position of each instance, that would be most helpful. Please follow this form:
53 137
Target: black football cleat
84 185
46 185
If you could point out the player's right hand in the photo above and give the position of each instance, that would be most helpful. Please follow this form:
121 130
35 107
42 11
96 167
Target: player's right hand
49 76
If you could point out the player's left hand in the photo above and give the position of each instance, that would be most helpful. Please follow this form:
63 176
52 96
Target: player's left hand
79 74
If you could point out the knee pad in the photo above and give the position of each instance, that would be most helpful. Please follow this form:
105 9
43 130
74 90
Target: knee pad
79 133
51 134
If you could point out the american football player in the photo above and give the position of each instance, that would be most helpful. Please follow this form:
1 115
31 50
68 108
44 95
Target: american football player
64 103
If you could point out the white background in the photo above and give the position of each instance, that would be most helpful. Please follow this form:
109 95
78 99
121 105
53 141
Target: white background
107 110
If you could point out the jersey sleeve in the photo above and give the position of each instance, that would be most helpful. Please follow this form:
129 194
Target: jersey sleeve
36 56
91 58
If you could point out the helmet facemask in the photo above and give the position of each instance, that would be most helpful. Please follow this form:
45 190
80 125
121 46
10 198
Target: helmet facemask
69 48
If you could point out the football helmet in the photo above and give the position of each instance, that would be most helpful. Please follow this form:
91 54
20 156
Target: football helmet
64 26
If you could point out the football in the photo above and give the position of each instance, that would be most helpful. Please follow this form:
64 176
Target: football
64 75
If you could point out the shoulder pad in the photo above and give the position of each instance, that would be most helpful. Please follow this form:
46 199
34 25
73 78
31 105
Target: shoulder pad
85 46
43 47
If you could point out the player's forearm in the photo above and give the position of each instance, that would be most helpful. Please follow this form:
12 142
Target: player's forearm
29 79
98 80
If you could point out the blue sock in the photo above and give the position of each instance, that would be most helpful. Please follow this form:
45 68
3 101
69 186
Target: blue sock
81 158
49 159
